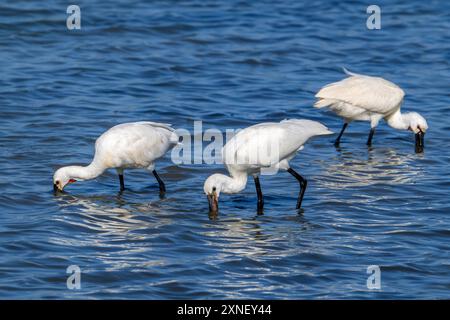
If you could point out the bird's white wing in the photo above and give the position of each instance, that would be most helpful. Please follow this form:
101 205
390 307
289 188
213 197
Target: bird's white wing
370 93
164 128
262 145
134 144
156 125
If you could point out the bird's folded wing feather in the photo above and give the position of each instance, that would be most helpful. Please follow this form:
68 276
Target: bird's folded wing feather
137 141
172 136
262 145
157 125
370 93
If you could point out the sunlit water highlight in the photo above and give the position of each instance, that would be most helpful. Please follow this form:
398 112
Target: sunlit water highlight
230 64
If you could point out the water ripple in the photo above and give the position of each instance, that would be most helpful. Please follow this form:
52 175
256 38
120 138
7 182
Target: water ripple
230 64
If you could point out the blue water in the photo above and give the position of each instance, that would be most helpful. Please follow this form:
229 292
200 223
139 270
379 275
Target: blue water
230 64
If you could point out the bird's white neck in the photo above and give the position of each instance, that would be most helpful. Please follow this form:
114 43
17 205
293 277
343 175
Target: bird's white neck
234 184
85 173
398 120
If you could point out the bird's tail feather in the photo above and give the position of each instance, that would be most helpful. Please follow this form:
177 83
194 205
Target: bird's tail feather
322 103
173 136
315 127
349 73
159 125
174 139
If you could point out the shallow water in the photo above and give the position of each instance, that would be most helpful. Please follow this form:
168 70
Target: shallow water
230 64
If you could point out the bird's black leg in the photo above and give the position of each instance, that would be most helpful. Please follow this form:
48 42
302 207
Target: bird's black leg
260 195
122 183
338 139
303 183
369 140
162 187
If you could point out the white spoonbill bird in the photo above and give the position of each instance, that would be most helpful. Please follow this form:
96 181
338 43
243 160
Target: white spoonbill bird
124 146
265 146
360 97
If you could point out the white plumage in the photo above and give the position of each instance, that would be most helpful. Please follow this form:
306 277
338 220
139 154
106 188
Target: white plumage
265 146
127 145
366 98
360 94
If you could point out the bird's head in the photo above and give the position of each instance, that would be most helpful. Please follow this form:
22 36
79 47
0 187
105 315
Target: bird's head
212 187
418 125
61 178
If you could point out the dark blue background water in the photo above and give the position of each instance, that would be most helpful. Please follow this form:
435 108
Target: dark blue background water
231 64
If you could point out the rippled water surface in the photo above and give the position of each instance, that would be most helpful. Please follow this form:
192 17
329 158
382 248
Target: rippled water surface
230 64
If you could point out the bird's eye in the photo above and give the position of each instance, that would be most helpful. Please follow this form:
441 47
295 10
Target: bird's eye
214 188
57 182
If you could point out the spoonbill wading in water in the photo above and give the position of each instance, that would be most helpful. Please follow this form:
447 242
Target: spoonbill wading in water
268 146
367 98
127 145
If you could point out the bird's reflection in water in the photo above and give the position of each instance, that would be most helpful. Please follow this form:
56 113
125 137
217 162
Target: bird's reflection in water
370 166
116 230
112 214
256 237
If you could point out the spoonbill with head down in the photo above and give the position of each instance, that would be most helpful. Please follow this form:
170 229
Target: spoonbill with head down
361 97
124 146
269 146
